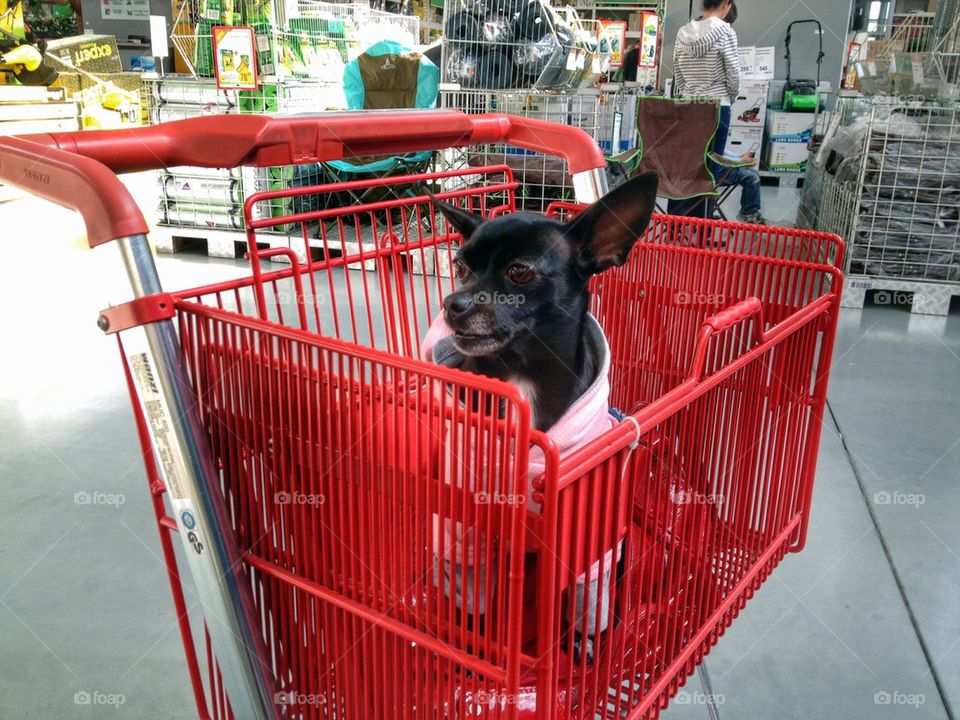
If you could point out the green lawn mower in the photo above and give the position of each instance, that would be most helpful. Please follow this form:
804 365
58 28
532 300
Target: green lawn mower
802 95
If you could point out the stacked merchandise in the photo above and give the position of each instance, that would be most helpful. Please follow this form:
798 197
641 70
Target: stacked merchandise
908 225
888 179
305 39
749 110
494 44
302 48
25 110
211 198
91 72
788 137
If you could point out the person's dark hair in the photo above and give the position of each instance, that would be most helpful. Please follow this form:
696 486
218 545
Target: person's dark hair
732 14
712 4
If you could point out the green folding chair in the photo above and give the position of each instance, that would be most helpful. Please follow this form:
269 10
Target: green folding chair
675 140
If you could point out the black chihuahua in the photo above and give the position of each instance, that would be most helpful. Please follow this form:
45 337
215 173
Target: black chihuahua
521 311
520 315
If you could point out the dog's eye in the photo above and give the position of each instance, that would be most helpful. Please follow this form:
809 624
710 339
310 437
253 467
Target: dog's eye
520 274
462 271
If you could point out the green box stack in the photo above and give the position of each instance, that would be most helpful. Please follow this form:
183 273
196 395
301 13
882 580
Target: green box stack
203 55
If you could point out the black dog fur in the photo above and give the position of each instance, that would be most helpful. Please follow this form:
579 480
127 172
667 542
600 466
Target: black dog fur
520 313
521 309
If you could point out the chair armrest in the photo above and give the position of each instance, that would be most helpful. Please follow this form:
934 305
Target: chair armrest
728 162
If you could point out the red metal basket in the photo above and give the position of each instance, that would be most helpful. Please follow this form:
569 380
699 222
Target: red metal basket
348 465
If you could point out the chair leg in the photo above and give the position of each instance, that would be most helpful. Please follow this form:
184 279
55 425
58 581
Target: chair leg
724 195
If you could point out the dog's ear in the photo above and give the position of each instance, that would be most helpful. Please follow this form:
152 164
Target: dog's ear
604 233
465 223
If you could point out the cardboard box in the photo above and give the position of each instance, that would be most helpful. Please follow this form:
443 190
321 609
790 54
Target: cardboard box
743 140
791 126
750 107
89 53
785 155
107 100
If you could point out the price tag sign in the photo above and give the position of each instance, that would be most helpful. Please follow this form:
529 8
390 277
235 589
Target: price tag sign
916 65
236 61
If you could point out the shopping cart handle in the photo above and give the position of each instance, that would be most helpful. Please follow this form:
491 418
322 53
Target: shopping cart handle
73 169
749 308
75 182
263 141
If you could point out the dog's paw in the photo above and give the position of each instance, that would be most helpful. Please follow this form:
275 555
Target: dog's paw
582 648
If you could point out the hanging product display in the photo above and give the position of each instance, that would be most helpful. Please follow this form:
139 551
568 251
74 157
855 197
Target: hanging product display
496 44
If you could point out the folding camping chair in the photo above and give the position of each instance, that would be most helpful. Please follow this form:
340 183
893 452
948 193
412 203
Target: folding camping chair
387 76
675 139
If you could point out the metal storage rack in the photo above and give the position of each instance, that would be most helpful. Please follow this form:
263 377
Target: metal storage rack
302 50
887 180
606 113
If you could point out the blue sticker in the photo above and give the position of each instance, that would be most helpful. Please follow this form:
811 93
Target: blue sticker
187 518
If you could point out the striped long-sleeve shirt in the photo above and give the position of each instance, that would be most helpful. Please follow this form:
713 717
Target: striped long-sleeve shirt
705 60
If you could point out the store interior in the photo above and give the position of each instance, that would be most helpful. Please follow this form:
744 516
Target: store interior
843 133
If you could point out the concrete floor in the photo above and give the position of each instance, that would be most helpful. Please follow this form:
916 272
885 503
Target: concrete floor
864 624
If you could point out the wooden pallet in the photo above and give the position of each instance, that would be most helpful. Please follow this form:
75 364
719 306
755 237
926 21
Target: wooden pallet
921 297
224 243
216 242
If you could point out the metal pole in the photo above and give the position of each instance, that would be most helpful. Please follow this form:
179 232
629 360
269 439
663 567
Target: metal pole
590 185
712 712
193 485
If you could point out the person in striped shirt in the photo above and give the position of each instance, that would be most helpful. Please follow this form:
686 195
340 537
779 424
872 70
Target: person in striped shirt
706 65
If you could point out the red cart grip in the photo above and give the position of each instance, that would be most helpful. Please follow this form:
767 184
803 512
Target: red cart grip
75 182
750 307
234 140
225 141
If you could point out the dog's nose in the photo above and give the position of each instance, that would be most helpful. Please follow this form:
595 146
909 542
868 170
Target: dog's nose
459 303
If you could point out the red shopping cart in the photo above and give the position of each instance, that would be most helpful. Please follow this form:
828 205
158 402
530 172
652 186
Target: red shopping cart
296 442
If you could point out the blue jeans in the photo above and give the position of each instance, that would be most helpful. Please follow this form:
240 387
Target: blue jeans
703 207
749 182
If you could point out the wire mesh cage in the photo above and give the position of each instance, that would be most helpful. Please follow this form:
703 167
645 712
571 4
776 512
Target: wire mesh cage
915 54
542 179
303 39
888 180
495 44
